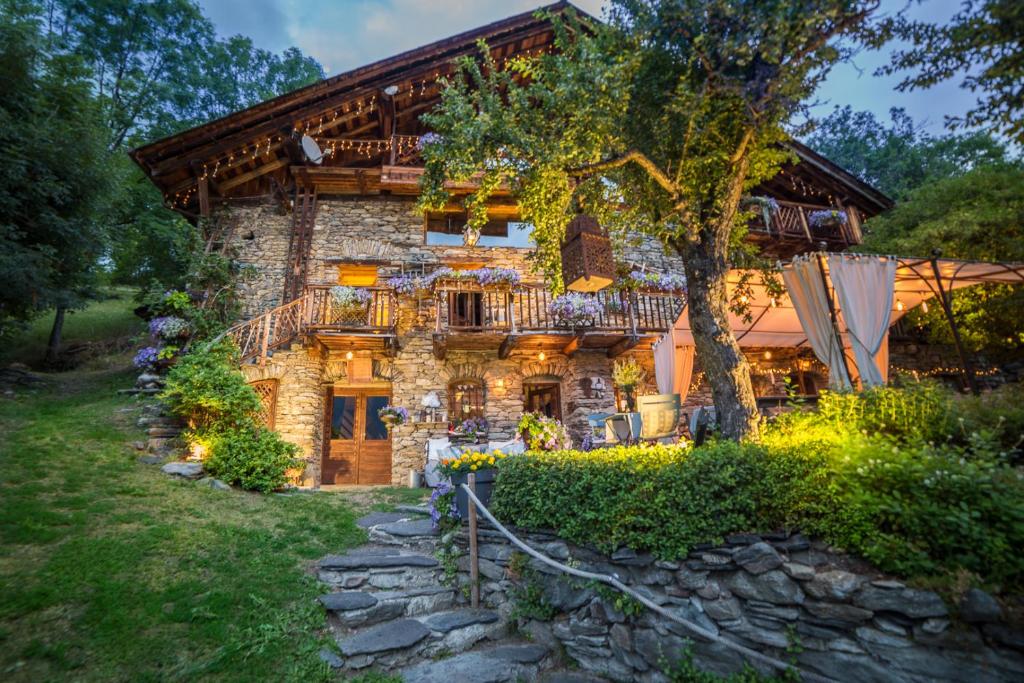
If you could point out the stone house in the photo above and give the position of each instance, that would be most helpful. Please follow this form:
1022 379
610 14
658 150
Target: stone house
342 211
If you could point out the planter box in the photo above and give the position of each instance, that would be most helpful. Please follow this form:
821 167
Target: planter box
484 488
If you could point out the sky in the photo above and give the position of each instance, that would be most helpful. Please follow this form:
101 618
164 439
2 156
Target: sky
344 34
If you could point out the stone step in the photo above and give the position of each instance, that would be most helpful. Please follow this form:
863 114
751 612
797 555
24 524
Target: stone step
381 569
361 608
403 532
414 509
569 676
497 664
396 643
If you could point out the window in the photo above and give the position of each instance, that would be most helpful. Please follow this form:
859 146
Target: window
357 275
445 230
266 390
465 400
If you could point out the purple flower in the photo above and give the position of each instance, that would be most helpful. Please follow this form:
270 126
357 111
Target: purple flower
575 309
826 217
428 139
473 426
658 282
146 357
442 504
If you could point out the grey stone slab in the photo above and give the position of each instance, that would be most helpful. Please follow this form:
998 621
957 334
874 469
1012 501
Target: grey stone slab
347 600
415 527
459 618
757 558
188 470
375 518
916 604
978 607
481 666
391 635
522 654
331 658
414 509
833 585
367 561
772 586
570 677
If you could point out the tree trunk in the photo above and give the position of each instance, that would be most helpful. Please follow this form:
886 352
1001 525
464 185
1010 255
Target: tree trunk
720 357
53 346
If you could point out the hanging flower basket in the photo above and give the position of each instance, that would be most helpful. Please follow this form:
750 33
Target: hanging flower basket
349 302
642 281
826 218
575 310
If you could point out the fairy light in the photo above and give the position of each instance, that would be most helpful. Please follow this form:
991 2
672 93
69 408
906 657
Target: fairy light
899 305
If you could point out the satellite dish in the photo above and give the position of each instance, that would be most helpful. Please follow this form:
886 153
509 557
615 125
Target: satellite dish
312 150
391 90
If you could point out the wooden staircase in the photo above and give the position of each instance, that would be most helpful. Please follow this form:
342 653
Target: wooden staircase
257 337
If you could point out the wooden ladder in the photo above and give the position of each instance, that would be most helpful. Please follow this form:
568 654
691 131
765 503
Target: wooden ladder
303 218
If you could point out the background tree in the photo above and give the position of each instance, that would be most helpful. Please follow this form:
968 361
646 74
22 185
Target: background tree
659 120
53 175
983 44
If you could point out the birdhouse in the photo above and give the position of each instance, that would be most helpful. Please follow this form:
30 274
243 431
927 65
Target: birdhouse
587 261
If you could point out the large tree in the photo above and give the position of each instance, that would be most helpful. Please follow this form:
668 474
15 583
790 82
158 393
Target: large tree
657 121
52 178
984 46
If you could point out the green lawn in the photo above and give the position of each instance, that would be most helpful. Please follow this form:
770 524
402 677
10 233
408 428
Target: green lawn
112 571
109 318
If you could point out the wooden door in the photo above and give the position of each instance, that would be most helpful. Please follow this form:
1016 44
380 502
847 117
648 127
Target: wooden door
358 444
543 398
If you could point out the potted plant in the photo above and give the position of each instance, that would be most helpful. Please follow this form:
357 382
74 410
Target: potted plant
392 416
826 218
543 433
484 465
628 375
471 430
575 310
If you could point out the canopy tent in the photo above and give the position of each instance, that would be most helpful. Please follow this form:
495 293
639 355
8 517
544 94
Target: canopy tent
772 320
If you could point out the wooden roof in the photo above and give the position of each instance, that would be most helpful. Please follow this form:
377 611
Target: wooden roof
256 151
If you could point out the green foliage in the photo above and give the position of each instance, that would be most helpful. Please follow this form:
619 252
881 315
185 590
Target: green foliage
900 157
685 670
206 388
916 480
53 176
527 591
981 44
256 459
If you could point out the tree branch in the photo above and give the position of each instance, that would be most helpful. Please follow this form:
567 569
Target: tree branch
634 156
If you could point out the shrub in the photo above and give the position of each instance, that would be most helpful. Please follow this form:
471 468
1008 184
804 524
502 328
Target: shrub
921 410
207 389
254 458
663 499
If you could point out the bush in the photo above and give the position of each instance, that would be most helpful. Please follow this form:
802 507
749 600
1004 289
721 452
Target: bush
206 389
254 458
663 499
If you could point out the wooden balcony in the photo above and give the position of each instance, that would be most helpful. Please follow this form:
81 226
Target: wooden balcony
789 231
371 326
473 318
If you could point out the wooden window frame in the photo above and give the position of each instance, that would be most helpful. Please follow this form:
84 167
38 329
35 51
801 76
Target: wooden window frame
456 415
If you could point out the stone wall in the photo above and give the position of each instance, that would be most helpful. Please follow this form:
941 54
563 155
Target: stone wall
779 594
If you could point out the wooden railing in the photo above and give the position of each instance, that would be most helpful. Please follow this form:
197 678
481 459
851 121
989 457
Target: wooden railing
792 221
378 315
525 310
313 311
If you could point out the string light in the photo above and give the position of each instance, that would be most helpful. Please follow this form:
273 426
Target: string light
899 305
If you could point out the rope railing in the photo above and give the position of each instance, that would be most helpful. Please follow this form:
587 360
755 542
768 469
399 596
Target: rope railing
647 602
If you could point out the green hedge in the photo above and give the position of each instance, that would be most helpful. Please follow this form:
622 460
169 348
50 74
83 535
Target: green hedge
915 480
253 458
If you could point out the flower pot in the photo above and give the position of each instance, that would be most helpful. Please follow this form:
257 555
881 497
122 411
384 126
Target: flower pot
629 395
390 420
484 488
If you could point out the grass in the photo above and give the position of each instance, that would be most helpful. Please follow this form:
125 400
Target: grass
112 571
109 318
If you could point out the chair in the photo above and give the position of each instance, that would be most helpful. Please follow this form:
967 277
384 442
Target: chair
659 417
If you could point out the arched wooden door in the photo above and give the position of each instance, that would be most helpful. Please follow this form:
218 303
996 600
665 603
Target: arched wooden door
357 445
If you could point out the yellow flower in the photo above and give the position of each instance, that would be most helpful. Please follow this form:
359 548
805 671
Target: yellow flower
498 454
490 461
456 464
472 467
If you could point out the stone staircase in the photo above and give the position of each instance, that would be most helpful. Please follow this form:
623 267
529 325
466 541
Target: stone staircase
389 611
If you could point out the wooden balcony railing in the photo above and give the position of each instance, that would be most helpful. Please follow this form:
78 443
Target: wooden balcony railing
525 311
264 333
792 221
323 315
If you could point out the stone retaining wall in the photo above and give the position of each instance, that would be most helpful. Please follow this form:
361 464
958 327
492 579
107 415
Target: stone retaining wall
777 593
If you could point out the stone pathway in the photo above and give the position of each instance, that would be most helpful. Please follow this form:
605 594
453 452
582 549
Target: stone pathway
389 611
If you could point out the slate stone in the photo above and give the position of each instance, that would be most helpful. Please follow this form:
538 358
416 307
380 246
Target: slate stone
773 586
794 544
873 636
915 604
775 612
798 571
375 518
742 539
978 607
488 569
460 618
722 610
497 665
1005 635
368 561
564 597
151 459
188 470
347 601
415 527
414 509
833 585
570 677
391 635
757 558
837 612
331 658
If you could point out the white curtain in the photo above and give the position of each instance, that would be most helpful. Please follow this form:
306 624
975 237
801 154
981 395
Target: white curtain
807 292
865 285
673 366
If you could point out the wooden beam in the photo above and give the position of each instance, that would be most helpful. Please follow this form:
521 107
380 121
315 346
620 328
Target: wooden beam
507 346
243 178
623 345
573 346
440 346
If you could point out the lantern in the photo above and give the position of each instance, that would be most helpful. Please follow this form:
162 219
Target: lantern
587 261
